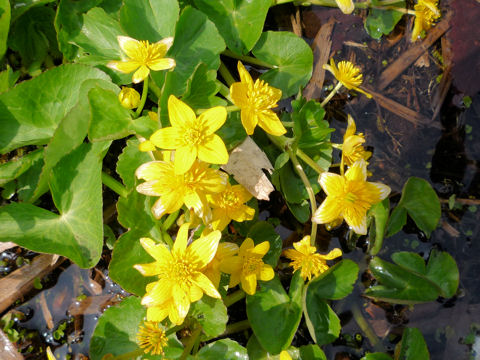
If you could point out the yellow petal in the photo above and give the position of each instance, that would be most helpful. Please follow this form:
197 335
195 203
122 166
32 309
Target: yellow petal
262 248
167 138
180 244
157 313
184 158
242 213
162 64
330 210
231 265
383 189
244 75
140 74
356 219
50 354
347 6
203 250
159 294
181 302
206 285
270 122
351 128
146 145
249 284
238 93
167 204
227 249
193 201
331 183
266 273
335 253
149 188
212 119
151 269
220 220
180 114
129 45
234 279
167 42
196 293
158 251
152 170
284 355
249 120
246 245
213 151
358 171
124 67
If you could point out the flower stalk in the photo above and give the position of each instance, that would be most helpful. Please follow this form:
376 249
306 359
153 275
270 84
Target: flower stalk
143 99
250 59
191 342
234 297
236 327
114 185
332 93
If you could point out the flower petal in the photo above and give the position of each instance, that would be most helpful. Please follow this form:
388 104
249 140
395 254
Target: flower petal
140 74
331 183
270 122
168 203
266 273
184 158
180 245
159 294
358 171
206 285
238 93
168 41
245 76
330 210
231 265
159 252
203 250
249 120
351 128
194 201
335 253
151 269
162 64
196 293
261 249
181 302
124 67
213 151
356 218
249 284
152 170
157 313
383 189
246 245
129 45
180 114
212 119
167 138
347 6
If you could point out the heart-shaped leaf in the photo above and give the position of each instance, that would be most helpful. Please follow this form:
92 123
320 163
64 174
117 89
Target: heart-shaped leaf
222 349
322 322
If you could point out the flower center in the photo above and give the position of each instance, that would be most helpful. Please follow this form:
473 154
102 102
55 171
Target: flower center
229 199
350 197
261 96
193 136
181 271
252 265
147 52
151 338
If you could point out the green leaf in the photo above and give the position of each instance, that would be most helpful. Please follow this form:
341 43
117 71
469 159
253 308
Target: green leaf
263 231
397 220
4 25
109 119
77 231
309 127
312 352
16 167
222 349
410 282
8 78
129 160
28 182
380 22
202 87
149 20
335 283
300 211
421 203
379 212
271 308
211 314
292 58
30 112
20 7
377 356
240 22
412 346
292 186
232 132
117 328
322 322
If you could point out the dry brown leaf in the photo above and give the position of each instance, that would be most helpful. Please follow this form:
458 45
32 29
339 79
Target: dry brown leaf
246 164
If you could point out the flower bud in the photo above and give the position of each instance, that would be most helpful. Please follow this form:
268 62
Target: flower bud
129 98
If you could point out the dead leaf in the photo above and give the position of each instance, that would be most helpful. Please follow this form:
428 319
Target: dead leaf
246 164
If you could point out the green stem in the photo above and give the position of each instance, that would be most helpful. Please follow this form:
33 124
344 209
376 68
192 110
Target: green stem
143 99
313 203
309 161
114 185
236 327
225 92
226 74
170 220
174 330
155 89
333 92
367 330
130 355
249 59
234 297
191 342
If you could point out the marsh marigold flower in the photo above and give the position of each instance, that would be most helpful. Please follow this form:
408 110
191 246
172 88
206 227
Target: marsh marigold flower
180 275
349 197
50 355
143 57
347 6
230 205
426 13
129 98
151 338
348 74
352 149
306 259
247 267
190 188
225 251
256 100
192 137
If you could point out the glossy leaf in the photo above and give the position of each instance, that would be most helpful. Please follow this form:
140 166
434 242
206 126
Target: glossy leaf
397 220
149 20
30 112
271 308
240 22
292 58
311 352
14 168
263 231
335 283
377 356
117 329
129 160
4 25
232 132
202 87
77 231
309 127
222 349
382 22
412 346
211 314
322 322
21 7
443 270
379 212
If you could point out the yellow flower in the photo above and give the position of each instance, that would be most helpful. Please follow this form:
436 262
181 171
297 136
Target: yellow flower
174 190
352 149
426 12
143 56
151 338
348 74
225 251
191 136
349 197
247 267
50 355
347 6
229 204
255 100
129 98
284 355
306 258
179 272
